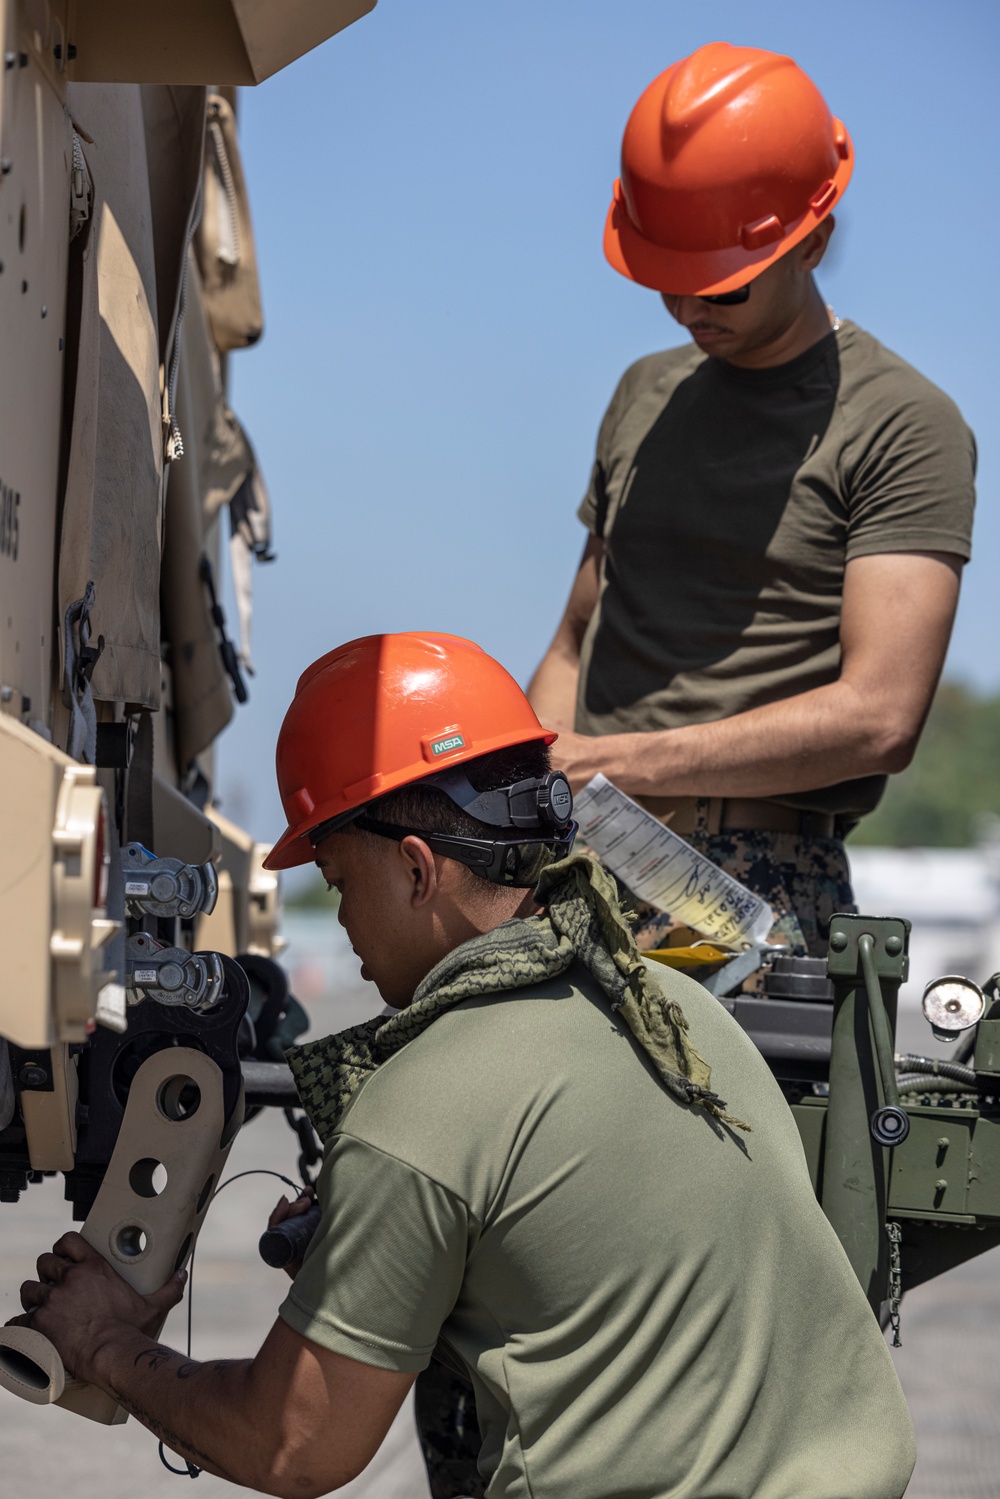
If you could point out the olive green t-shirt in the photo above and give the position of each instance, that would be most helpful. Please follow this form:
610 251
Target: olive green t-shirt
730 501
647 1304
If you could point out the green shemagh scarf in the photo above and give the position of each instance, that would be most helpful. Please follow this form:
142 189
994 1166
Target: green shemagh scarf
583 921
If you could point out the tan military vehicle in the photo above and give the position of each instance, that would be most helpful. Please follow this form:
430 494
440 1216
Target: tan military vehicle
127 278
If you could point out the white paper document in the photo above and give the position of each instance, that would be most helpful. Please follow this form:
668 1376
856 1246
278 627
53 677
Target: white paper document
659 867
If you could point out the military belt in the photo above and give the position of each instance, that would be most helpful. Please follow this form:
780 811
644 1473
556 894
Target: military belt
719 814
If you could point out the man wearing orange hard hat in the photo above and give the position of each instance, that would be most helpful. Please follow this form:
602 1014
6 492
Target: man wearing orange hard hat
529 1169
779 510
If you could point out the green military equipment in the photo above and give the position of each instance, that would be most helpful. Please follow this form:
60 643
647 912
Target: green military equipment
904 1152
867 964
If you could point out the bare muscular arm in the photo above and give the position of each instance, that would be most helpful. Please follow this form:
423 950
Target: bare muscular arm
896 620
295 1421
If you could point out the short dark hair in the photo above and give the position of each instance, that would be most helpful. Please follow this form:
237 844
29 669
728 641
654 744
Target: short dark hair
426 809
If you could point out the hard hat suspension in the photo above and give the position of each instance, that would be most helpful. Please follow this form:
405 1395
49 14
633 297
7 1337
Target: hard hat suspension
517 862
539 805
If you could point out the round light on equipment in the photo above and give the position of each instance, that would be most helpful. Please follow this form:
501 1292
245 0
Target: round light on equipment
952 1005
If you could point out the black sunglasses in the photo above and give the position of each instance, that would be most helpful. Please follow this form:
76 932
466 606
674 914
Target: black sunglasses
502 862
729 298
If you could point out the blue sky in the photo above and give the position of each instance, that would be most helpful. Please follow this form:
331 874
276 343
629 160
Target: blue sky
443 334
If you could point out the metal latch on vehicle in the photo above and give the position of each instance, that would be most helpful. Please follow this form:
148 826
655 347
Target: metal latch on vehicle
167 887
172 975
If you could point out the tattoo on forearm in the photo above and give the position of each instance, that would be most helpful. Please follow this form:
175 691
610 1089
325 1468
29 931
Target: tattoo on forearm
155 1357
171 1438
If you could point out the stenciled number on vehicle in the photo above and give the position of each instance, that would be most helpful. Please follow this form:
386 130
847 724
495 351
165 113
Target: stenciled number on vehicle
10 521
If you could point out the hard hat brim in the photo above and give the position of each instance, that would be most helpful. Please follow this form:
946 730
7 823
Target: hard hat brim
705 273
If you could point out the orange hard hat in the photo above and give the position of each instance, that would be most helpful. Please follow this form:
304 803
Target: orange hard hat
382 711
729 159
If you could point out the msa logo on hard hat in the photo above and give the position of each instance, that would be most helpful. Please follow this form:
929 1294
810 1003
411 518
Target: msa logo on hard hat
442 746
449 738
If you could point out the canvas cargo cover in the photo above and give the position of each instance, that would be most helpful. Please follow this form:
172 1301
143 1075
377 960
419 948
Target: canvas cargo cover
144 151
174 120
224 242
138 318
217 461
111 515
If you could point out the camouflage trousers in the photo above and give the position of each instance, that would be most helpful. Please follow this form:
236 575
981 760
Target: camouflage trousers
804 880
449 1433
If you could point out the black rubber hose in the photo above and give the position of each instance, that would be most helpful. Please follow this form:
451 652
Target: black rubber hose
923 1082
935 1067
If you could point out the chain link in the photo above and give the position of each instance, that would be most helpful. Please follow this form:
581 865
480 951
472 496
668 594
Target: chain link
895 1280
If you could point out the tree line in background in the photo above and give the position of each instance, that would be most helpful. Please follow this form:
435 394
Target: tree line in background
946 799
950 795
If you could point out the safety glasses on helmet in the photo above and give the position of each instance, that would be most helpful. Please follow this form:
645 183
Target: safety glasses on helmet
533 819
517 863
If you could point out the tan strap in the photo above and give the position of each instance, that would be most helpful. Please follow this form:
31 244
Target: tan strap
686 815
